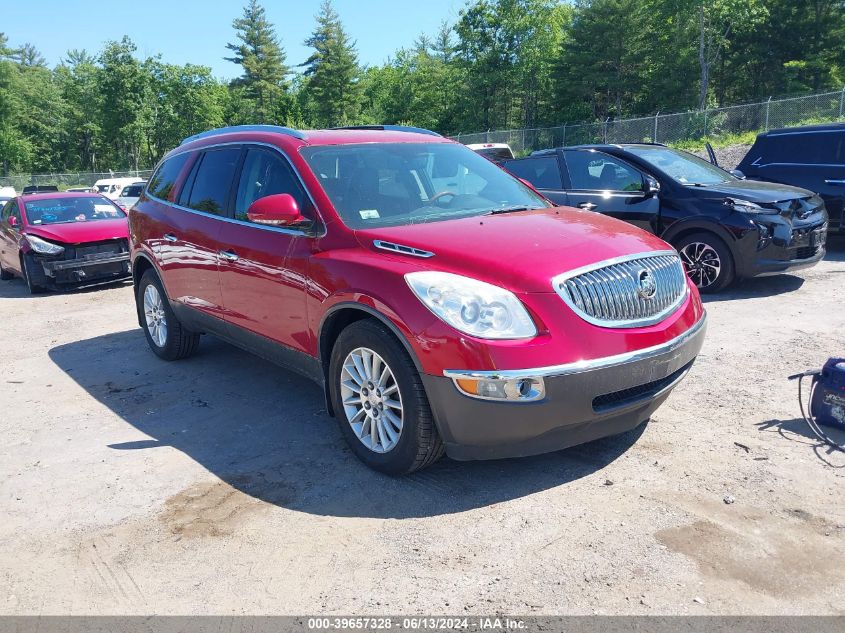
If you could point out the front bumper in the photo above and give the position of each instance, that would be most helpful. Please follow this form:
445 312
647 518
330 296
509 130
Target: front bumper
785 248
581 402
89 269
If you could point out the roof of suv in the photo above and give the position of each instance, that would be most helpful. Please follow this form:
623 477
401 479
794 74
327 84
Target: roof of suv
335 136
821 127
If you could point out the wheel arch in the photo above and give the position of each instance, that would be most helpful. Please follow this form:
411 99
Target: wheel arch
140 265
682 229
340 316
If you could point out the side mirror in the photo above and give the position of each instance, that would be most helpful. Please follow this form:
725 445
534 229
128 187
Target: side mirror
736 173
277 210
13 221
650 186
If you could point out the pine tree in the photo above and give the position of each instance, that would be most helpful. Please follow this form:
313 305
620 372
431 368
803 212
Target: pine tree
262 58
332 71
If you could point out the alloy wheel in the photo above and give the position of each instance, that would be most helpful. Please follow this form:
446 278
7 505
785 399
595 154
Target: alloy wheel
702 263
155 316
371 399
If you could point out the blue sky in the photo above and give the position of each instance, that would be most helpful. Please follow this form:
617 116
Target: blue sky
197 32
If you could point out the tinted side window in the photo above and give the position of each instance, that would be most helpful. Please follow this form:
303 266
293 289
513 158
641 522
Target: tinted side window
265 173
543 172
162 182
7 210
598 171
213 180
832 149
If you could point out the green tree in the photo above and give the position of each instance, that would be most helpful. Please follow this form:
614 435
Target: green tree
506 48
262 58
333 88
123 85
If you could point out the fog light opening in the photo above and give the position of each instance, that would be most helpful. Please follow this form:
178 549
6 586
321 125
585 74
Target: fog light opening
508 390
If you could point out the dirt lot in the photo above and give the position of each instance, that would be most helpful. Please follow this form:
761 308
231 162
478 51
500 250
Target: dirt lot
218 484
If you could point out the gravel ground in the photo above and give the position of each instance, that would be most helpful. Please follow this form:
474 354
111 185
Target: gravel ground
727 157
218 484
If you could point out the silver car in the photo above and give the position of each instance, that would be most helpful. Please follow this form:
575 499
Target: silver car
130 194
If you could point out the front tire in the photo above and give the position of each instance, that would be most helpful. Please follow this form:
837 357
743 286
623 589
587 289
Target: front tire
165 334
707 261
380 402
30 276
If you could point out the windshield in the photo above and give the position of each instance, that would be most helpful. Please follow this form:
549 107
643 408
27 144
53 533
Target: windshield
687 169
390 184
65 210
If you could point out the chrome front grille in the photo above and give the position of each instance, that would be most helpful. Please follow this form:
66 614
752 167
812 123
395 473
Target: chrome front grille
631 291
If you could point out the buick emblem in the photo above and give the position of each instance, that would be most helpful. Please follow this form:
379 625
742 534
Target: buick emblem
646 286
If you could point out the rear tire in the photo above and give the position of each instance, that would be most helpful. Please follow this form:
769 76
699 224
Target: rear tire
707 261
30 276
369 406
166 335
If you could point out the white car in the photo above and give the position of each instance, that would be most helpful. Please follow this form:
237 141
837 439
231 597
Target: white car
112 187
7 193
496 152
130 194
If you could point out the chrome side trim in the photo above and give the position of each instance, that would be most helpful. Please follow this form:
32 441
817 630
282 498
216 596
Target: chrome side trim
401 248
585 365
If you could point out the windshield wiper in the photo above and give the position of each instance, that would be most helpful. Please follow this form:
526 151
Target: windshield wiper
515 207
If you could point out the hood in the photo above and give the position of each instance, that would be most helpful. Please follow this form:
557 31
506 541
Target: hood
81 232
519 251
755 191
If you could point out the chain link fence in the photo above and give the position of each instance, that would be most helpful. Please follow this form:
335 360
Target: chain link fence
66 181
675 128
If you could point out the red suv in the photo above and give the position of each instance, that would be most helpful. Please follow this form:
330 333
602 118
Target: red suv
441 303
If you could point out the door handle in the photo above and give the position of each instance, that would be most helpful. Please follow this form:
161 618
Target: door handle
170 237
229 256
835 182
587 206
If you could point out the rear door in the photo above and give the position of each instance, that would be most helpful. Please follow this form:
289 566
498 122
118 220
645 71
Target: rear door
599 182
263 268
544 174
189 246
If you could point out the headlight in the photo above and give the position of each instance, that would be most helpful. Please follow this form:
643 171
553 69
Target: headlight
43 247
471 306
746 206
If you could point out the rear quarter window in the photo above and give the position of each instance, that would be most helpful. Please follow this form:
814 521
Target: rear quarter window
162 182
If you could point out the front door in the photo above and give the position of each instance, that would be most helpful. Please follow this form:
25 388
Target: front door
606 184
263 268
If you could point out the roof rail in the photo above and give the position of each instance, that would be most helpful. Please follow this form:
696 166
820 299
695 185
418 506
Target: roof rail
275 129
388 128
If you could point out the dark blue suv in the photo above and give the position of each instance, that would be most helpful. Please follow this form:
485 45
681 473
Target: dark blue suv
812 157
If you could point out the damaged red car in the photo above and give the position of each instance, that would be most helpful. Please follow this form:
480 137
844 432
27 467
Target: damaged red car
61 240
